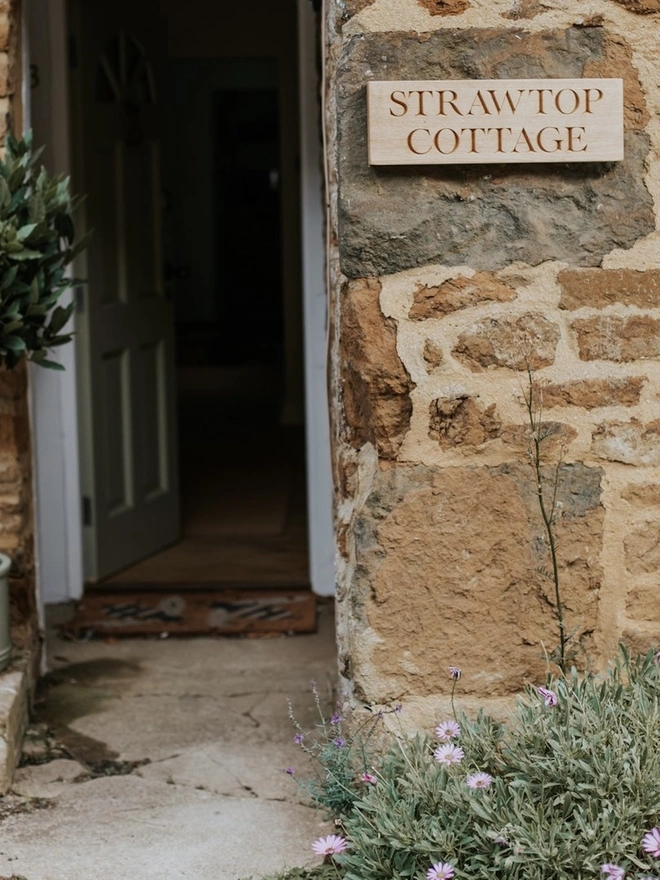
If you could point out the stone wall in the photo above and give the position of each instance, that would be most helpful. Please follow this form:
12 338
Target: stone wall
446 284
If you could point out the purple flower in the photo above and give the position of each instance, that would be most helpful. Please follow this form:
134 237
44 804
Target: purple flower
454 672
336 719
291 771
328 846
367 777
440 871
613 872
449 755
379 714
479 780
549 697
656 657
298 738
447 730
339 741
651 842
398 708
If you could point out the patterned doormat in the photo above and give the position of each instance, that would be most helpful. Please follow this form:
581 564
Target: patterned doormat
193 612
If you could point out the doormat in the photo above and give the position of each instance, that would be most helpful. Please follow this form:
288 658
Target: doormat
193 613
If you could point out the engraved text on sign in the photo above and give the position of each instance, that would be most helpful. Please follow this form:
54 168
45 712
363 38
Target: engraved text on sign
480 121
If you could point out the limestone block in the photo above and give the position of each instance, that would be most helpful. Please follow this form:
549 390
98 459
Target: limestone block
445 7
604 287
640 640
612 338
458 293
643 551
448 574
524 9
592 393
643 602
375 385
432 354
642 494
392 218
516 343
641 7
628 442
463 421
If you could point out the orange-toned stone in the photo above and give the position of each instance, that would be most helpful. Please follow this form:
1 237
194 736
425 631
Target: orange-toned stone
598 288
517 343
617 61
375 385
445 7
592 393
458 293
628 442
612 338
462 421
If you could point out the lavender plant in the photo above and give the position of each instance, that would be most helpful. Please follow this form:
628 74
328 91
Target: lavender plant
339 757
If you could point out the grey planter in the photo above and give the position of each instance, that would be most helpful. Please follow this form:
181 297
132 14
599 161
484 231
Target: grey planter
5 643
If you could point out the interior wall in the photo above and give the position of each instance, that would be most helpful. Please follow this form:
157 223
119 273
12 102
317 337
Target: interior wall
261 30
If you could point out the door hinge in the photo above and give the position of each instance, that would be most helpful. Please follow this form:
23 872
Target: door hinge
73 52
86 510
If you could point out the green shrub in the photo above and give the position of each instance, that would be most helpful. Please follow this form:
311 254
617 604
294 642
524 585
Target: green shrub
36 246
575 786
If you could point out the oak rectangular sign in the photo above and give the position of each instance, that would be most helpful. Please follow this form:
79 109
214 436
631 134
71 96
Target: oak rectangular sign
478 121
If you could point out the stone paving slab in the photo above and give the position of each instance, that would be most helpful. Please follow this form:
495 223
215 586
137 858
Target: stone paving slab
166 758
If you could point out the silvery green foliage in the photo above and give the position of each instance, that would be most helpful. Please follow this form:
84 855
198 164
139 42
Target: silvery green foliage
575 786
36 246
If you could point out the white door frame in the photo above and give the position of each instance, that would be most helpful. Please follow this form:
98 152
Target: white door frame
54 402
54 414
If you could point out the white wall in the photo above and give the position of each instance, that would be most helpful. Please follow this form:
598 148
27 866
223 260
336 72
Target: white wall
53 394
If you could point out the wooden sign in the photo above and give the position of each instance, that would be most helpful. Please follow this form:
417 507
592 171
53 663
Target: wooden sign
478 121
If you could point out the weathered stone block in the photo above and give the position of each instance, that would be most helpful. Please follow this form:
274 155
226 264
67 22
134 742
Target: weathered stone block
524 9
640 640
643 602
448 574
628 442
375 385
432 354
445 7
592 393
642 494
641 7
458 293
643 550
605 287
612 338
394 218
462 421
517 343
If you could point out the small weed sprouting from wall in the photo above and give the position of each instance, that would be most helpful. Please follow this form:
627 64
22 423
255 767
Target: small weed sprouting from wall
547 500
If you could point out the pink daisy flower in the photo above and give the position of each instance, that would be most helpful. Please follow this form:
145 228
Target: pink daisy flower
454 672
651 842
449 755
479 780
447 730
613 872
367 777
330 845
549 697
440 871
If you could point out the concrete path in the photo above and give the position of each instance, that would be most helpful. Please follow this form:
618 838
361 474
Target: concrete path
165 758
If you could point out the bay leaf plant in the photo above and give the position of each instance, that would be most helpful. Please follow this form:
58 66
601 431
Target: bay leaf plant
36 246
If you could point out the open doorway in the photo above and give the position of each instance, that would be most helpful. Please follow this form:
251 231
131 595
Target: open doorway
65 479
187 143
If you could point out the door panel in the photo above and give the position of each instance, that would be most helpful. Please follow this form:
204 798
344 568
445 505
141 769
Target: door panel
127 323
